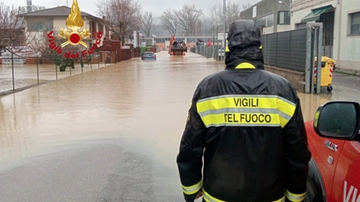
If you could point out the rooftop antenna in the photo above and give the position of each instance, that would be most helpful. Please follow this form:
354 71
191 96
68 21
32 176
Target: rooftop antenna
67 3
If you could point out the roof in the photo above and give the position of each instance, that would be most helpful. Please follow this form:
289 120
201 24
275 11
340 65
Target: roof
314 15
60 11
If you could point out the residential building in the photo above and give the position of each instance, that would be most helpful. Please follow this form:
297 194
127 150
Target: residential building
271 15
54 19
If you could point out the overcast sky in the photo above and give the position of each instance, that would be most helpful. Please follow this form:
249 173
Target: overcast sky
157 7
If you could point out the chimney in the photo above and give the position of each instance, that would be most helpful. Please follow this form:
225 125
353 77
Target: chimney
29 6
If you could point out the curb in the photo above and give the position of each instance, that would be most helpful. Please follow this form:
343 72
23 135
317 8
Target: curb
348 72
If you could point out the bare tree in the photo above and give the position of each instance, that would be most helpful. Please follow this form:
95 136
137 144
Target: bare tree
11 27
169 21
188 18
217 16
148 21
246 6
24 9
232 14
123 17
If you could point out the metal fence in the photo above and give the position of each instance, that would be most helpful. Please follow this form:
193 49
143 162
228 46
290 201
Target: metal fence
15 75
209 52
285 49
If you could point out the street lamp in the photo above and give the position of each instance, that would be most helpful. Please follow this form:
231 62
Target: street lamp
282 2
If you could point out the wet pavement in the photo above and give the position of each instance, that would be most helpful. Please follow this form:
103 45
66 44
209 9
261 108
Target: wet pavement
20 76
110 134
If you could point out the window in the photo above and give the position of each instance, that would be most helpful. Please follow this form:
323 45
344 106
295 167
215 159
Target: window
355 23
254 11
40 26
283 18
266 21
101 28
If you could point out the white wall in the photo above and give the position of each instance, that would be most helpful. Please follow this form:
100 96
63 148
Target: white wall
60 22
303 4
346 47
282 28
268 30
301 8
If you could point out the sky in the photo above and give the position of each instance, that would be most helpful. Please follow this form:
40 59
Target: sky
157 7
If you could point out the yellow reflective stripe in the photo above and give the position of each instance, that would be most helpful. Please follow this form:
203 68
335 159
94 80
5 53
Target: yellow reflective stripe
286 108
208 198
189 190
295 197
237 101
243 119
227 47
249 110
280 200
245 65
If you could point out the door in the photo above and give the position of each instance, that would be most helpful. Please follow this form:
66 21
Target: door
326 154
346 186
328 32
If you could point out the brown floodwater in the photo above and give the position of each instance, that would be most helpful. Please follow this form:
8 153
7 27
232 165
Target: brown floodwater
139 101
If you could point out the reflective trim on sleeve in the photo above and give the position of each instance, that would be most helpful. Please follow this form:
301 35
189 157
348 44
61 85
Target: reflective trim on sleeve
286 110
295 197
280 200
227 47
245 110
208 198
189 190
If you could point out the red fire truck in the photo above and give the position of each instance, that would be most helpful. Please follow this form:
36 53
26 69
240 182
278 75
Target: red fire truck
334 141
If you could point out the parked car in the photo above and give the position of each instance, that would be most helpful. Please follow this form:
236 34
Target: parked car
221 52
148 56
334 141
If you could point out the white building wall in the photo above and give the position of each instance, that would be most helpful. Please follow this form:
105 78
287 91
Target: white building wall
301 8
282 28
347 48
303 4
268 30
60 22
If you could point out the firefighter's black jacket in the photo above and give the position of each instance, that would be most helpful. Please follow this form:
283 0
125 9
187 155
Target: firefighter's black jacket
244 138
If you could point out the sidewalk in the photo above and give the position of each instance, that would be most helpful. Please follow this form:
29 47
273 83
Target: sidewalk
347 71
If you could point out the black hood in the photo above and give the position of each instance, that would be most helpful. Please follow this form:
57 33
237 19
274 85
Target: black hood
244 44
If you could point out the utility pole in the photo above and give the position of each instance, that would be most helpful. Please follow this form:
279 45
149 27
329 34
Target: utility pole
224 10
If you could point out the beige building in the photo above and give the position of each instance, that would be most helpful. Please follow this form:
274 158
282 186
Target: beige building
341 21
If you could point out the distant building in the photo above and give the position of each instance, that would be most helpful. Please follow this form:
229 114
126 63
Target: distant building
270 15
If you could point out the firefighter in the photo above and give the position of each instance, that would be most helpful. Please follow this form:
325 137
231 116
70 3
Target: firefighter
244 139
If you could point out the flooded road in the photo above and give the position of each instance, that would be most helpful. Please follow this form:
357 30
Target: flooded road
110 134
